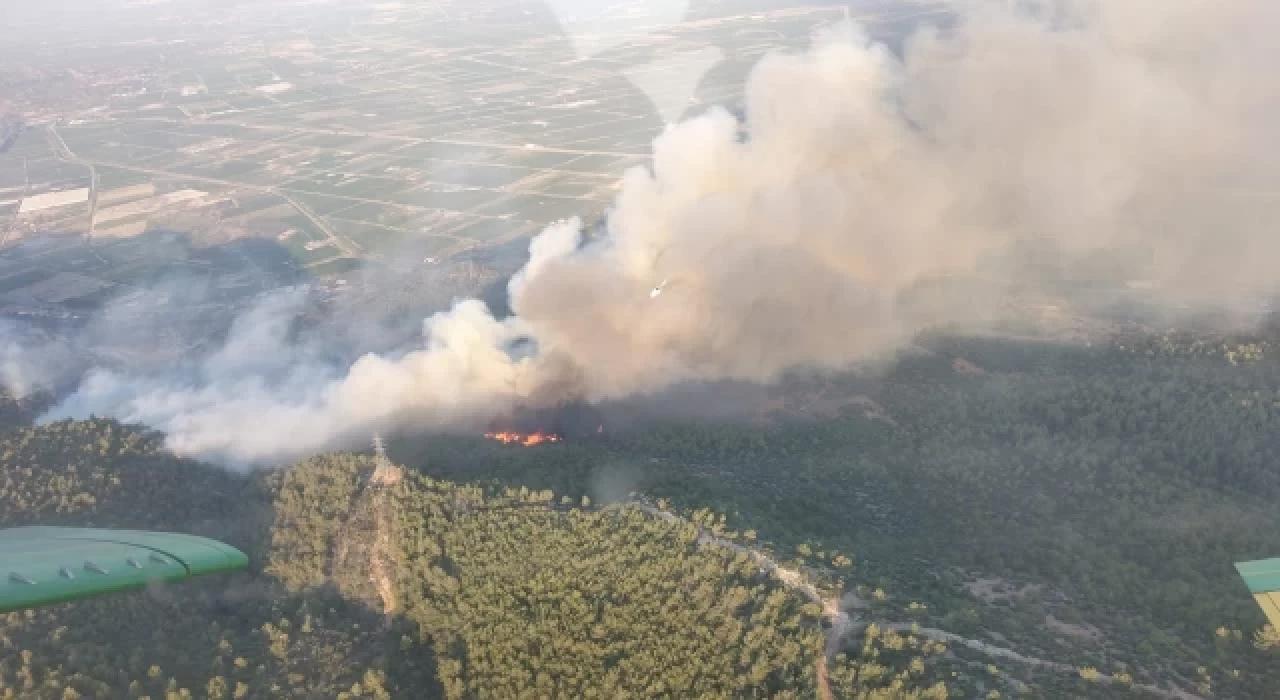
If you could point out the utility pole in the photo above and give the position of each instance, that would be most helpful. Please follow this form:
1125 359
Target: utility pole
384 472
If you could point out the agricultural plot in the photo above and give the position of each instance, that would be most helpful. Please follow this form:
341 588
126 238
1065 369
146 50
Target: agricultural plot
53 199
319 204
371 238
548 159
30 144
116 178
484 231
537 208
579 190
157 207
128 193
335 266
458 200
47 175
13 179
128 154
431 133
232 169
302 240
475 175
151 136
379 213
123 228
247 209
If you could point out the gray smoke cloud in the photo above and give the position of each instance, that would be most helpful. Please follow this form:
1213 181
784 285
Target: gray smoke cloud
1125 130
30 361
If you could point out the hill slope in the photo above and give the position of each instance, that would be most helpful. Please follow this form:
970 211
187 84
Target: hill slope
492 592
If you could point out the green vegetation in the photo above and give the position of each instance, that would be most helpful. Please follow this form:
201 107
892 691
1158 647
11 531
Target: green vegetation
1080 506
520 597
209 639
492 592
869 671
97 473
1104 492
336 266
15 412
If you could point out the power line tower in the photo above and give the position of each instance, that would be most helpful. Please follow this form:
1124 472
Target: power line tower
384 472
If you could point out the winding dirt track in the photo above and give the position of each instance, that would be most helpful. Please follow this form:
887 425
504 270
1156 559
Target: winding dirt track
841 622
381 559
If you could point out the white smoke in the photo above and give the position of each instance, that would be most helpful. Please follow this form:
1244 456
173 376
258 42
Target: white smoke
29 362
1119 126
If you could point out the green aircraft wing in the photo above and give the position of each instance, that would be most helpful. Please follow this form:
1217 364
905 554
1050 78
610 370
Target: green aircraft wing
46 565
1263 579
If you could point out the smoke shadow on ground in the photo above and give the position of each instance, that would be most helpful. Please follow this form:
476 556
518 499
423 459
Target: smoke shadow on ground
156 289
163 289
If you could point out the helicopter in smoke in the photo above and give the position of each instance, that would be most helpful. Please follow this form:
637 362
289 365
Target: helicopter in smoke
661 286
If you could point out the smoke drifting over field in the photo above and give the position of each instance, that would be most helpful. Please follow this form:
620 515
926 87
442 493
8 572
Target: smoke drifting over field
28 361
1124 128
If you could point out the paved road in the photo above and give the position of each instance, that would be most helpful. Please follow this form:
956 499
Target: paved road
64 153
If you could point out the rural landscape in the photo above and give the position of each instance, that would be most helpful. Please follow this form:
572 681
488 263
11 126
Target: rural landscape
561 349
417 130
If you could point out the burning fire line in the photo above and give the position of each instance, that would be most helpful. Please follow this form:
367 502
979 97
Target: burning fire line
523 439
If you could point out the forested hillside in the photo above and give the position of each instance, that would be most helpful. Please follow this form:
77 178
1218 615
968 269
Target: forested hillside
514 593
1076 509
495 592
1078 503
241 636
98 472
15 412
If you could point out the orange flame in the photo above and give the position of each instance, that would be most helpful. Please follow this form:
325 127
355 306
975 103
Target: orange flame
524 439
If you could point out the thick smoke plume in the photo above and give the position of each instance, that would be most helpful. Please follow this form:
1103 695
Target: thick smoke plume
1124 131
